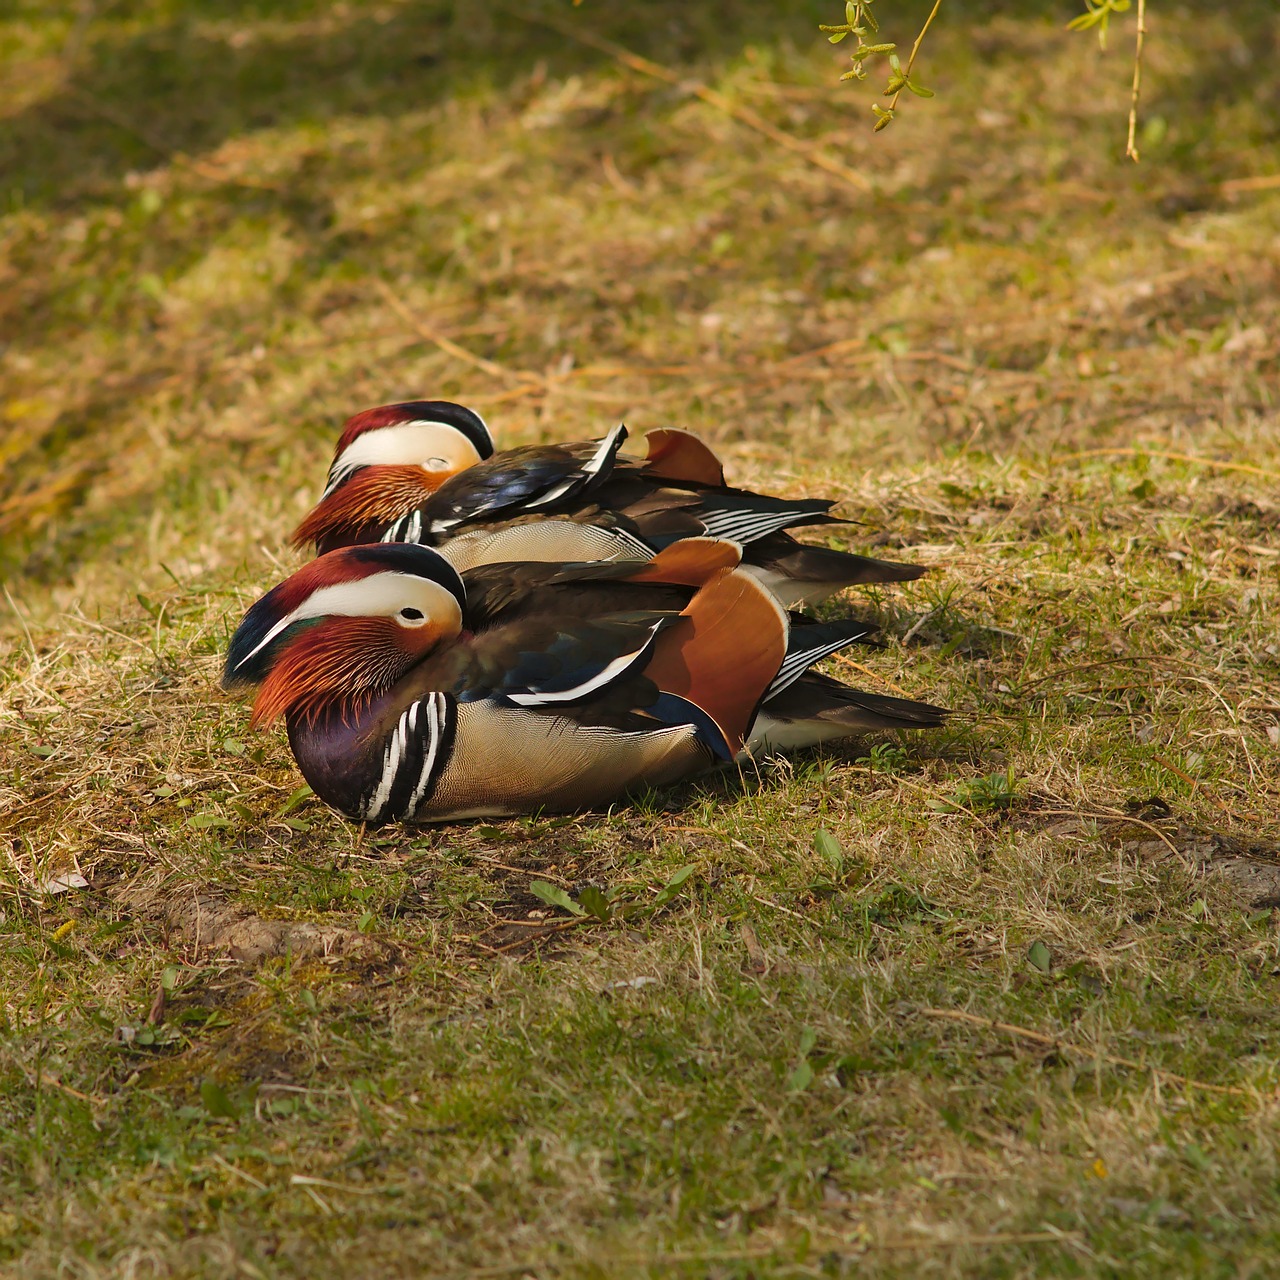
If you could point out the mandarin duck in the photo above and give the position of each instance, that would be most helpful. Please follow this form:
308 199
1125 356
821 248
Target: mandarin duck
426 472
413 692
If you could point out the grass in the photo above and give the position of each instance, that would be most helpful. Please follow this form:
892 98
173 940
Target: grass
258 1042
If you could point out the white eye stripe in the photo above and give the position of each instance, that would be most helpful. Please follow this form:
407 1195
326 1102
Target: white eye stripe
408 443
381 595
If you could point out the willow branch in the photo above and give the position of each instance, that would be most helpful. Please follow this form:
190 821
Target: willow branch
1131 149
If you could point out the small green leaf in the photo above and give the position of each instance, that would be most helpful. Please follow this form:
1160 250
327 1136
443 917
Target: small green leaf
1039 957
595 903
839 35
808 1038
233 747
918 89
829 848
216 1101
801 1078
672 887
169 977
304 792
204 821
43 752
554 896
826 844
308 999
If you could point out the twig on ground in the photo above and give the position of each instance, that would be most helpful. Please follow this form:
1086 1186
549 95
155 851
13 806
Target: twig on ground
1056 1042
622 185
1172 457
7 814
1115 817
304 1180
157 144
786 911
744 115
1102 662
450 347
239 1173
844 661
1192 783
42 1080
919 622
523 871
840 1246
1263 182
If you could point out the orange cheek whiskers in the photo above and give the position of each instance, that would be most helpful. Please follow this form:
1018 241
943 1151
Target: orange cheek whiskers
374 495
342 661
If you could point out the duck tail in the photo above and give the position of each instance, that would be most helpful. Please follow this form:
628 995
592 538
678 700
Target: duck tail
817 709
802 575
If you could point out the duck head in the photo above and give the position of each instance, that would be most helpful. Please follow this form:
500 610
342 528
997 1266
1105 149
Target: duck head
344 629
389 460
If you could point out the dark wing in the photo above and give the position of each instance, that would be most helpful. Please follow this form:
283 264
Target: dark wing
528 481
559 663
837 710
810 642
661 512
685 639
665 582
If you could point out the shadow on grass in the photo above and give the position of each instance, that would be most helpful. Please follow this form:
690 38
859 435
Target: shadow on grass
193 82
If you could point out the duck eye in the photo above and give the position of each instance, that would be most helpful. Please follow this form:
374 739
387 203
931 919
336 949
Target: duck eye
435 464
411 617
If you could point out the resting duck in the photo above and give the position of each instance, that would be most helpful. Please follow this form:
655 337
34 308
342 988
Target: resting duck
413 692
426 472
